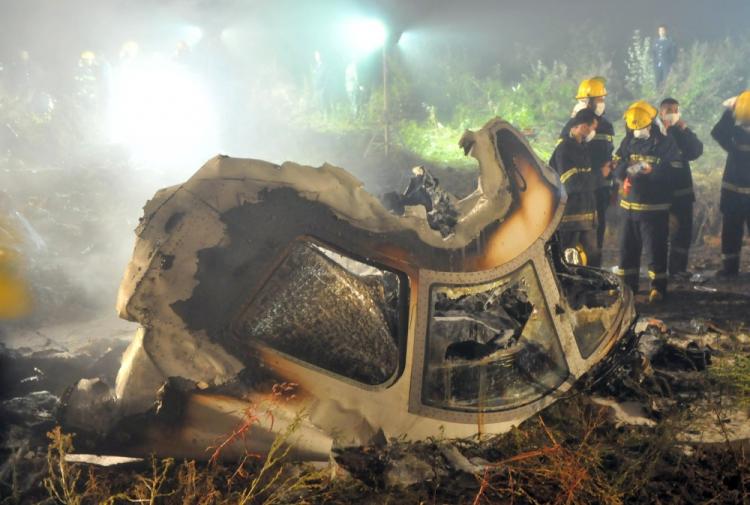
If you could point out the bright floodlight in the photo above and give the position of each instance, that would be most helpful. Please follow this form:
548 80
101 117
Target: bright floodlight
192 35
364 35
163 113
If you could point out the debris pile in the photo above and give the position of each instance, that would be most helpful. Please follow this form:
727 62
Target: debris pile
252 274
424 190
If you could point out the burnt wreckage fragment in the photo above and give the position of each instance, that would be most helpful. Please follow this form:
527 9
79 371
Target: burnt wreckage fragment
424 190
288 288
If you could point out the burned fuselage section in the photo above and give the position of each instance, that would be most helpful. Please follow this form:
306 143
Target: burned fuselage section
382 323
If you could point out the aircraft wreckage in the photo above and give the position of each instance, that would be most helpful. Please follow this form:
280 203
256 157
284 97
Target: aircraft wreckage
266 290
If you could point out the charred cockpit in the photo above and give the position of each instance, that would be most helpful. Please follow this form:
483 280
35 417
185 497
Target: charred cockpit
385 321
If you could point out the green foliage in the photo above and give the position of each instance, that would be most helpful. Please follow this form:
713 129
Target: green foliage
705 75
437 144
529 104
734 374
640 78
432 102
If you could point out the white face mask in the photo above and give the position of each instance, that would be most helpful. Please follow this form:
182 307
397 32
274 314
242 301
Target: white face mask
672 117
580 105
643 133
662 128
590 136
600 108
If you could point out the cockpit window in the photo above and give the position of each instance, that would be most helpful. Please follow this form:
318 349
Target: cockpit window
331 311
491 346
595 299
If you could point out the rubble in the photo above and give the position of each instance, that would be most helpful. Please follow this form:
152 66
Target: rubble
88 404
626 413
424 190
103 461
252 275
32 410
407 471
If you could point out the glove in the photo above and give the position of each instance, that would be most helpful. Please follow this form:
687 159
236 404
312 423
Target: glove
627 186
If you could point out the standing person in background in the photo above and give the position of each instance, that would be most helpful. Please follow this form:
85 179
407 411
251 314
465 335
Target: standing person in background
732 132
591 95
665 54
645 170
681 211
572 161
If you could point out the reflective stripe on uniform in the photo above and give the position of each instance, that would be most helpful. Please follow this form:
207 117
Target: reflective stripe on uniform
729 256
683 192
744 190
648 159
743 147
622 272
571 218
654 276
679 250
616 158
603 136
573 171
677 164
644 207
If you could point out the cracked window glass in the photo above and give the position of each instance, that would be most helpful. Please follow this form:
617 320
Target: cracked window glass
331 311
491 346
595 298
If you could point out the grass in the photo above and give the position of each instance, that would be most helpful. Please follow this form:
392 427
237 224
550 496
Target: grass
570 454
268 480
570 473
734 375
62 481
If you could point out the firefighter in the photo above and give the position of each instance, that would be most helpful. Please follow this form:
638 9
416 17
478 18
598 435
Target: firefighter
732 132
681 211
591 95
644 168
572 161
88 78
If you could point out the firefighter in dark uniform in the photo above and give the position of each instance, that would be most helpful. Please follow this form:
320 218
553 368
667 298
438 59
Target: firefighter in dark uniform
681 211
732 132
591 93
572 161
644 167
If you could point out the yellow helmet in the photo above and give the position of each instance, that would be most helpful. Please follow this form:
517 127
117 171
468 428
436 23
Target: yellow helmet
638 117
592 88
742 107
643 104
